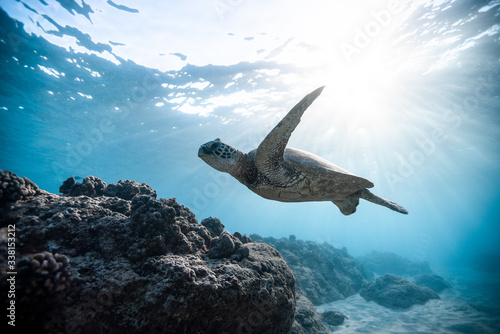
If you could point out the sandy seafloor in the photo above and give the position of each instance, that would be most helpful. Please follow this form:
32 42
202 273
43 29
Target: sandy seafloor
472 306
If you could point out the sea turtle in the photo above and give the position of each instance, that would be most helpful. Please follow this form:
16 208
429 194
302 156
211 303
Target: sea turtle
285 174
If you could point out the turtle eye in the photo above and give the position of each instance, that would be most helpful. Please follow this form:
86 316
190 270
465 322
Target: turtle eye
214 145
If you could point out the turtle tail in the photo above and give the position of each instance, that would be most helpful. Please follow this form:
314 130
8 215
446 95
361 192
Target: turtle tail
371 197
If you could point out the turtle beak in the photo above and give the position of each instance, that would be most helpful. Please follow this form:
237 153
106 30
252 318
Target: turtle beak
204 150
208 148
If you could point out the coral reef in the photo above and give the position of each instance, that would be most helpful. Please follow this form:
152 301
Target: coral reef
90 186
323 273
334 318
44 274
141 265
93 186
396 292
114 258
214 226
389 263
128 189
432 281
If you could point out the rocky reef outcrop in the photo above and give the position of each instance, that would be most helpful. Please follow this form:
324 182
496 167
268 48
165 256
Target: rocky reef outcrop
323 273
334 318
396 292
307 319
115 259
432 281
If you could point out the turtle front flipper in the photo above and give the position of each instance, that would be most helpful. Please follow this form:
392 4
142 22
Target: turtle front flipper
270 152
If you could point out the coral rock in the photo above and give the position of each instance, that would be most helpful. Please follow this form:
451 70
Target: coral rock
396 292
91 186
143 265
307 319
43 274
243 238
213 225
128 189
432 281
14 188
224 245
334 318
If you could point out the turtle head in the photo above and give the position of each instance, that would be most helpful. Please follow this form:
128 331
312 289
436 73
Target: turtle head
220 156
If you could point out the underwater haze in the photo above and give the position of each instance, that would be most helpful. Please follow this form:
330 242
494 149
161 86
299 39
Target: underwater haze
130 90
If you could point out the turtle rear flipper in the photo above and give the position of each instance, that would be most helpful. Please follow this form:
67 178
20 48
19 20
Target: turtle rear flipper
369 196
348 205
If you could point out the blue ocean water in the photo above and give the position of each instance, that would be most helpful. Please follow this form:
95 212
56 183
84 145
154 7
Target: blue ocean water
128 90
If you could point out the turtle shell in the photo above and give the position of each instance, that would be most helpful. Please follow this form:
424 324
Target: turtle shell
324 177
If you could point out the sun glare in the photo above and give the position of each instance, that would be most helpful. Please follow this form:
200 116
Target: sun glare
352 53
365 90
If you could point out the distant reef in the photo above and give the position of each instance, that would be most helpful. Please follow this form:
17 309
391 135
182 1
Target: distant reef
396 292
323 273
114 258
389 263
